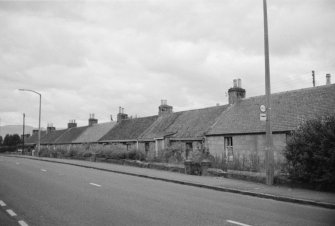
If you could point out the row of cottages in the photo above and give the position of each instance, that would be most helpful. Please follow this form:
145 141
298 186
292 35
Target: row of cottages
239 134
73 136
232 132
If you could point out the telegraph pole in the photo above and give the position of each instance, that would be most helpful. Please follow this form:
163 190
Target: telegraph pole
24 120
313 76
269 140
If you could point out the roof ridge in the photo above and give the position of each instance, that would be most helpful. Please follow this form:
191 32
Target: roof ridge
140 118
291 91
220 106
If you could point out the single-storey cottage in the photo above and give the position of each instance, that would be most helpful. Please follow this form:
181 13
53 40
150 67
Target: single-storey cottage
184 130
238 135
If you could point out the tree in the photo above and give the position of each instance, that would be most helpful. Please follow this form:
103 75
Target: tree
1 140
6 141
11 140
310 153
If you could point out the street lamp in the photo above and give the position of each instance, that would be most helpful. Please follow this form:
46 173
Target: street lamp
269 139
39 120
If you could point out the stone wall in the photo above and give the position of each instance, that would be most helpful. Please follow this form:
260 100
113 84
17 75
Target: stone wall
248 151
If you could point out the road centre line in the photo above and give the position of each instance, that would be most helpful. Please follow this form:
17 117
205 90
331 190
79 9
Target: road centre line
44 170
97 185
2 203
22 223
17 163
238 223
11 213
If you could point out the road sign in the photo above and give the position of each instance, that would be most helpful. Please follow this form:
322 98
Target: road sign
262 108
262 117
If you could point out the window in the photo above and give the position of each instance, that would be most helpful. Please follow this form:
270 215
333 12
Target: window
228 143
189 148
146 147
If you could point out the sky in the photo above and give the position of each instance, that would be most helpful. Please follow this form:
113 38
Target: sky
89 57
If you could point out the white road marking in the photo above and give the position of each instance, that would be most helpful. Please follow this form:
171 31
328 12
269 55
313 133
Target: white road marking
98 185
11 213
238 223
2 203
22 223
44 170
17 163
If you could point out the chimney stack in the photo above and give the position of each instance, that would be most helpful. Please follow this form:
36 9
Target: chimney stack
50 128
72 124
328 82
92 121
164 108
121 115
237 92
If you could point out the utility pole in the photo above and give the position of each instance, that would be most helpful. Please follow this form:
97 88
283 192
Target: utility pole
24 120
313 76
269 139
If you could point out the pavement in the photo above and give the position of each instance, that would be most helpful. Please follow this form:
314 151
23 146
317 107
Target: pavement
279 193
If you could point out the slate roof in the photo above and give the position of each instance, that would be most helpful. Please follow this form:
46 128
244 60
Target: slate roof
34 138
94 133
195 123
159 128
129 129
190 124
52 136
70 135
288 110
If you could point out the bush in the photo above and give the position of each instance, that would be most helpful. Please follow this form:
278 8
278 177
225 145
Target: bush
44 152
310 153
170 155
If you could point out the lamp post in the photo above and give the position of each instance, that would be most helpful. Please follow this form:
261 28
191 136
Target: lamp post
39 120
269 140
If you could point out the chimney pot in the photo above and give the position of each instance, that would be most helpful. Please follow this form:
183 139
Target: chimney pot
235 82
239 83
328 76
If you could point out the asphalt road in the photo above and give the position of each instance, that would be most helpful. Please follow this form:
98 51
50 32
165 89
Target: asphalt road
44 193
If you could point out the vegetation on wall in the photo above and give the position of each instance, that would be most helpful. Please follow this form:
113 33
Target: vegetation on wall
81 152
310 153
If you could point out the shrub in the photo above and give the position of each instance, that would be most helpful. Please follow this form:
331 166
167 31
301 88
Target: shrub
200 154
44 152
310 153
170 155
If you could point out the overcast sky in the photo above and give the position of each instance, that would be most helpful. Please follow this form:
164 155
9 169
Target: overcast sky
94 56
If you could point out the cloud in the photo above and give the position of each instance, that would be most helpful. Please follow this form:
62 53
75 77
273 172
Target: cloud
92 57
